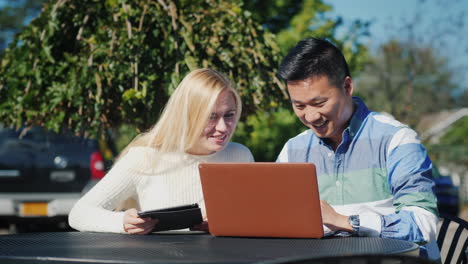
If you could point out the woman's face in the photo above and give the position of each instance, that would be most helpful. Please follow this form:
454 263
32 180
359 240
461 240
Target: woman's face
221 124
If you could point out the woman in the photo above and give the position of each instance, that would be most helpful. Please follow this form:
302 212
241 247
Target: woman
159 168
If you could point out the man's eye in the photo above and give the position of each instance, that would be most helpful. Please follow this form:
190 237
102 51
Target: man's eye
213 117
321 103
299 106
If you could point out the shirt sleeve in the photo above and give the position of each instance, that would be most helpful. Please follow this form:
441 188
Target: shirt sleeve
283 156
95 210
410 172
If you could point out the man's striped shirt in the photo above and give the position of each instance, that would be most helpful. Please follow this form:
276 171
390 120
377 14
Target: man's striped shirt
380 171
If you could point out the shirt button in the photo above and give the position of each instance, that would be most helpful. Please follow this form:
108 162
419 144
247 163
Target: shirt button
337 183
329 154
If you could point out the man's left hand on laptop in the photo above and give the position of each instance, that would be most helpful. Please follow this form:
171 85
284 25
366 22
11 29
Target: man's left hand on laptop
334 220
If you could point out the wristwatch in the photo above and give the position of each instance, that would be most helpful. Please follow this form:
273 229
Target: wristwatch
355 223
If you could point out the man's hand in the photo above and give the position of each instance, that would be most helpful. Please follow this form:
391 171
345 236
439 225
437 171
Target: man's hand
334 220
133 224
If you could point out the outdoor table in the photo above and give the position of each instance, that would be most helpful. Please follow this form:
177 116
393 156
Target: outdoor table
184 247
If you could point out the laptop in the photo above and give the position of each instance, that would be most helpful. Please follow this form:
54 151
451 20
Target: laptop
262 199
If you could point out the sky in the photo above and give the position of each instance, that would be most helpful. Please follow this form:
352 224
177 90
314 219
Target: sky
431 20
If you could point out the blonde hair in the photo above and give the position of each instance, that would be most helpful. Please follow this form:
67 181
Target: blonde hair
186 113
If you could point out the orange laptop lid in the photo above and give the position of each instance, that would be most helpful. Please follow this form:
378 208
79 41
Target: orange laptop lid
262 199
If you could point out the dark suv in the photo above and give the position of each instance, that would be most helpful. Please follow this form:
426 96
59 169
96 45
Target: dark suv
42 175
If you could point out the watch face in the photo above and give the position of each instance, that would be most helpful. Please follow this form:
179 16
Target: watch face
354 219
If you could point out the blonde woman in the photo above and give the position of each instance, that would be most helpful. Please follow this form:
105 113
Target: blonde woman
159 168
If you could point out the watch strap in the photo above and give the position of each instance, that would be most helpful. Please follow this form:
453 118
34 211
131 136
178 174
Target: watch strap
355 223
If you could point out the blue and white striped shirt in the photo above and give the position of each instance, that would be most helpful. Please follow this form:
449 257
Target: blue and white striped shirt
380 171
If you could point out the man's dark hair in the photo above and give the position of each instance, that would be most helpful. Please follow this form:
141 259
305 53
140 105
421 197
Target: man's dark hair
313 57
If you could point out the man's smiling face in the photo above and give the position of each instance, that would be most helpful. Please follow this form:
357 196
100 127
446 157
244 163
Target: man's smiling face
322 106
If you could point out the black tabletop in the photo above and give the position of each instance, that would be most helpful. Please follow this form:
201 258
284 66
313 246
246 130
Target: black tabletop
83 247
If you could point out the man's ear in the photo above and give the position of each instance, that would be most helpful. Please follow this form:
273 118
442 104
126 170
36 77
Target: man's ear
348 86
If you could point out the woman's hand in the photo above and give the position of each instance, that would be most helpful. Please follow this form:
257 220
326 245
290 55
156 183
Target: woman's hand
203 226
133 224
334 220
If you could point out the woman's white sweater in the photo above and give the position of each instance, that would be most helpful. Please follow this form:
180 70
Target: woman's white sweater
152 179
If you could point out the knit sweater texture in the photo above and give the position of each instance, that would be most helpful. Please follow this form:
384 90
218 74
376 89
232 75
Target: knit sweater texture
153 179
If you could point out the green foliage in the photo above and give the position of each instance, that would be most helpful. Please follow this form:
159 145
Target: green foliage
449 154
274 15
308 22
458 134
299 19
114 63
266 132
453 146
124 135
94 64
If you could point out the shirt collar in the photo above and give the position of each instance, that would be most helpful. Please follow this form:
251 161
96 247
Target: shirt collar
358 117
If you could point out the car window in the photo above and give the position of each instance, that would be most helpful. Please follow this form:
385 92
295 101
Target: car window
38 138
34 134
6 135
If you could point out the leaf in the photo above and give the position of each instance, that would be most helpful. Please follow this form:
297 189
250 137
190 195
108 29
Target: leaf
191 62
112 3
129 94
48 53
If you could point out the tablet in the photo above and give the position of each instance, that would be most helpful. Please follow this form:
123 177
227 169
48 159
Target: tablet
173 218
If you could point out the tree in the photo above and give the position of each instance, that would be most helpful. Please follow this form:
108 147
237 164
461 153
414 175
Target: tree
419 72
407 81
462 99
93 64
266 131
422 51
295 20
274 15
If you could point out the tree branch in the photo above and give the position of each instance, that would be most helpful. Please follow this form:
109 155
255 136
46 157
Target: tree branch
142 18
127 22
80 31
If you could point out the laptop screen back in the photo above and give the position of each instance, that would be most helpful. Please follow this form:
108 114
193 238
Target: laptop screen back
262 199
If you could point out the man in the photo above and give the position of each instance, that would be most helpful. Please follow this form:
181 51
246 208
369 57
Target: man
373 172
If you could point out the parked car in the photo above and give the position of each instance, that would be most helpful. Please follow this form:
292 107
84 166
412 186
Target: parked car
43 174
447 193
